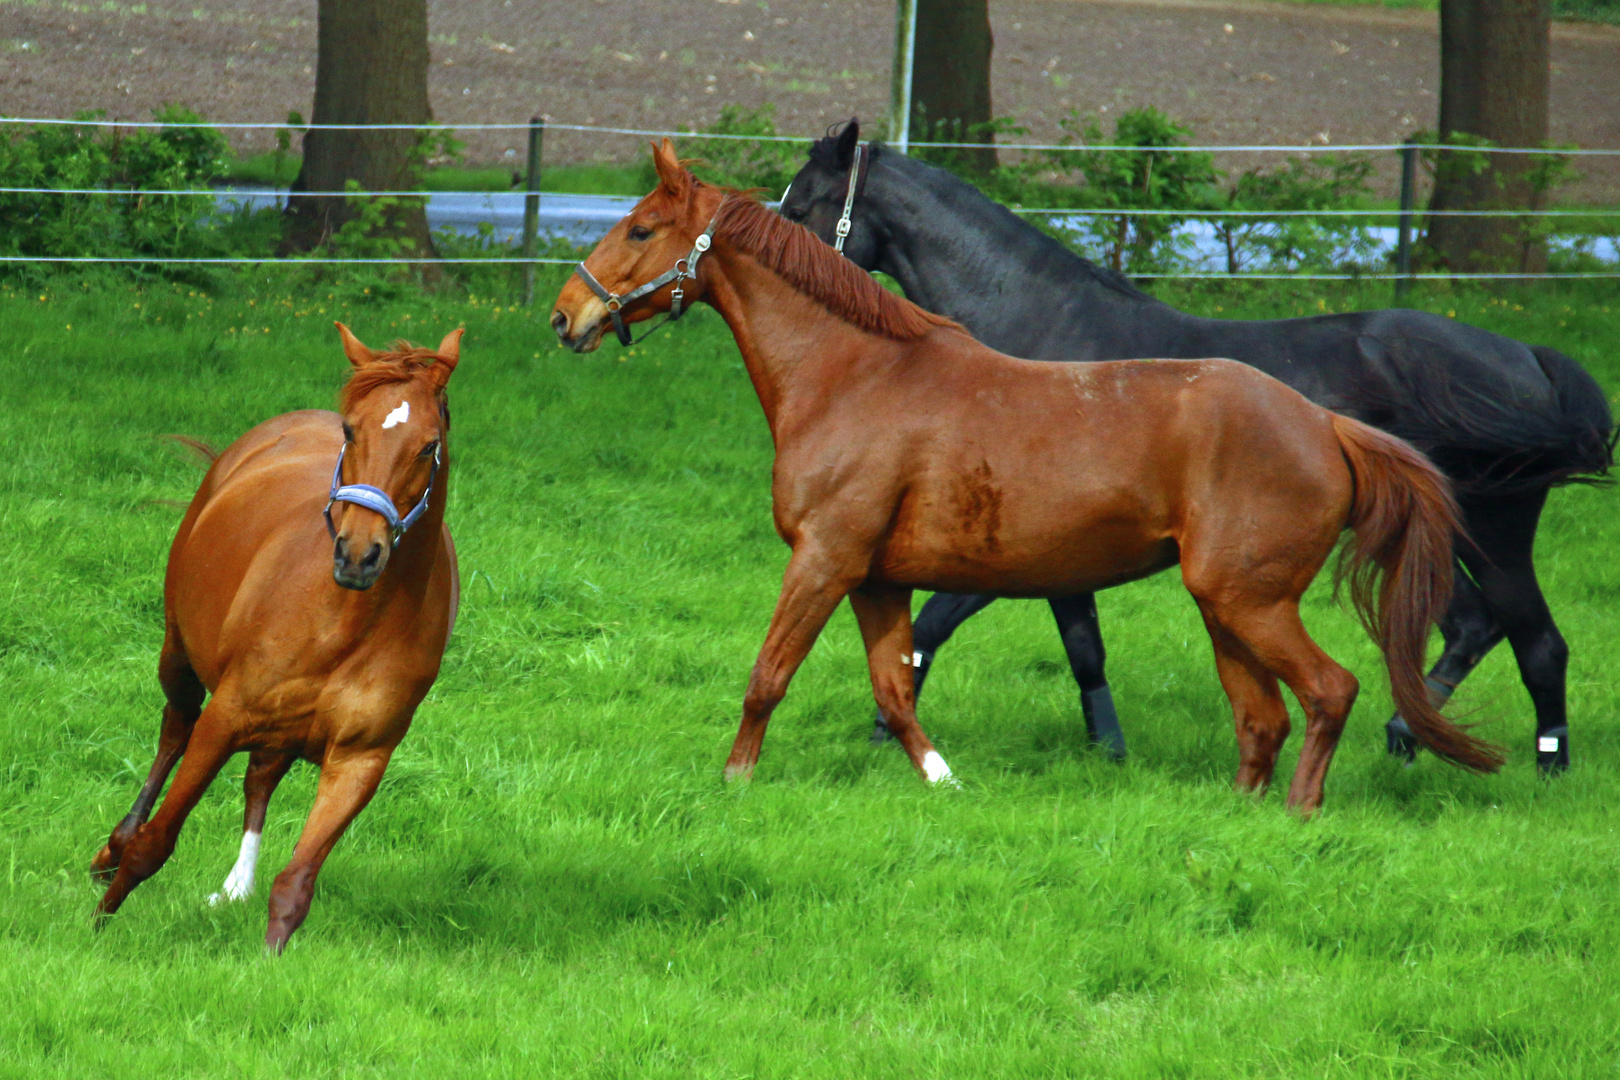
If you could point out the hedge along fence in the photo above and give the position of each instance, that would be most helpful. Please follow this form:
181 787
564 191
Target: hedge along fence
92 190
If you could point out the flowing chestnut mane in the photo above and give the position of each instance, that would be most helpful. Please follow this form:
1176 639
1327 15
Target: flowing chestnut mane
803 261
403 363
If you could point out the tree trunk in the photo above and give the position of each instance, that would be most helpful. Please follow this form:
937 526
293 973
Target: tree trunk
1494 83
371 68
950 81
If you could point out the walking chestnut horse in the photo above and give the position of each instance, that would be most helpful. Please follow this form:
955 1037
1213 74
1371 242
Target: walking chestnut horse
910 456
311 645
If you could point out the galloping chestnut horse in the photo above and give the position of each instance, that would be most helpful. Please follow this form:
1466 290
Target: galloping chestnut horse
910 456
312 645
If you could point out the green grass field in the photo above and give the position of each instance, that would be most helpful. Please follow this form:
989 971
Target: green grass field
554 880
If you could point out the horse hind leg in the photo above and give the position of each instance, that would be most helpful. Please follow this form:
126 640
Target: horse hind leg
1503 566
1326 692
185 693
264 772
1259 715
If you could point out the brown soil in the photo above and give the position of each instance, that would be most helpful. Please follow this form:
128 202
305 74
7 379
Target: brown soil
1238 73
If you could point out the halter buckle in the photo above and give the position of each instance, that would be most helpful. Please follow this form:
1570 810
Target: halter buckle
614 303
702 243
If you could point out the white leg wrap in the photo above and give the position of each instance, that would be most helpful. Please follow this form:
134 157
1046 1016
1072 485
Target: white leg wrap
239 883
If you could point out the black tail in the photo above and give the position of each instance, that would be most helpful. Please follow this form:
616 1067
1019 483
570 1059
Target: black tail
1490 442
1585 410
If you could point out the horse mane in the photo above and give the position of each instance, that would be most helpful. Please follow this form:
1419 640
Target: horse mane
402 363
824 152
796 254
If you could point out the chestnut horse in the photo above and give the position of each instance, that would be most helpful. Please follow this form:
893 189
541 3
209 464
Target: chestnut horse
910 456
310 647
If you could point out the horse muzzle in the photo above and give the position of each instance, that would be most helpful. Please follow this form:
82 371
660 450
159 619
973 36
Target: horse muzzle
358 573
583 334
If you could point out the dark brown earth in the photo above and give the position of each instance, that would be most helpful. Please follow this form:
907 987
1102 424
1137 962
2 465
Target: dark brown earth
1238 73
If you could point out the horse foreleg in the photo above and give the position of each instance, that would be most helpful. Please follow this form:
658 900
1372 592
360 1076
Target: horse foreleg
939 618
811 589
1083 644
885 620
346 786
211 743
185 694
264 772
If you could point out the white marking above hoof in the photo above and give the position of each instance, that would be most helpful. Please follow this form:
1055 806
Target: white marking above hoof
239 882
937 771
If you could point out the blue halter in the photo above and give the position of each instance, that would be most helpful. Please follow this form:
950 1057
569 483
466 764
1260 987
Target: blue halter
376 499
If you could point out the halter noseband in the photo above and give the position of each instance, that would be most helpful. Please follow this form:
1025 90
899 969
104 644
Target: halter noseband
683 269
376 499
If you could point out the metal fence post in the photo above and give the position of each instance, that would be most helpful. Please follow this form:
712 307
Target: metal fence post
905 48
531 207
1403 246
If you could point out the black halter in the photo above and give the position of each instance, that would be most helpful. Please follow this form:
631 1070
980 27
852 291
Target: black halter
683 269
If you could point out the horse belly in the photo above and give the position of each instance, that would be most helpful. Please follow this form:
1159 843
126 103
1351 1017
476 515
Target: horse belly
1049 547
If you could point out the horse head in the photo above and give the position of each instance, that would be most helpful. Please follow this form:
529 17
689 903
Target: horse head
395 420
828 189
646 264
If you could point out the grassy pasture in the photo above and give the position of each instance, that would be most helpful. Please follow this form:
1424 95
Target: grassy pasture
554 880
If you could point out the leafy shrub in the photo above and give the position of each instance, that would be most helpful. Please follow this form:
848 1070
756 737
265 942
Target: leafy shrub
145 161
744 163
1145 179
1323 182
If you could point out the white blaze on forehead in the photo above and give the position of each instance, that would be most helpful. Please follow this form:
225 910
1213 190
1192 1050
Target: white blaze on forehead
398 416
239 883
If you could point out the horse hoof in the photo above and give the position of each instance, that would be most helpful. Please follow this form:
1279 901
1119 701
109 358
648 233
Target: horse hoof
1552 751
1399 740
739 772
880 732
103 866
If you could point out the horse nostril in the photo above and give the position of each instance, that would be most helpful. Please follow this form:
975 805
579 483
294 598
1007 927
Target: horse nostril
373 557
559 323
340 550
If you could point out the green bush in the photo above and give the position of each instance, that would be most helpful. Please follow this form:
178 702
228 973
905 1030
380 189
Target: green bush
144 161
744 163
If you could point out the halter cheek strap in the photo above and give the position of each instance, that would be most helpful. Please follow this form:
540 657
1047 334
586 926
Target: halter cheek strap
683 269
857 180
376 499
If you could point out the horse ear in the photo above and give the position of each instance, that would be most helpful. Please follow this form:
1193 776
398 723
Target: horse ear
449 351
357 353
848 139
671 173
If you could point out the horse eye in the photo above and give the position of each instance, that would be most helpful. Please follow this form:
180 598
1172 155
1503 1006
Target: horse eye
348 432
428 450
639 232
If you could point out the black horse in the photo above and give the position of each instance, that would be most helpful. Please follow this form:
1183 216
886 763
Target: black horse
1505 420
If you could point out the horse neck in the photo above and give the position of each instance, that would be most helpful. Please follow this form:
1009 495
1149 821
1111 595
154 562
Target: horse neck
796 351
958 253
